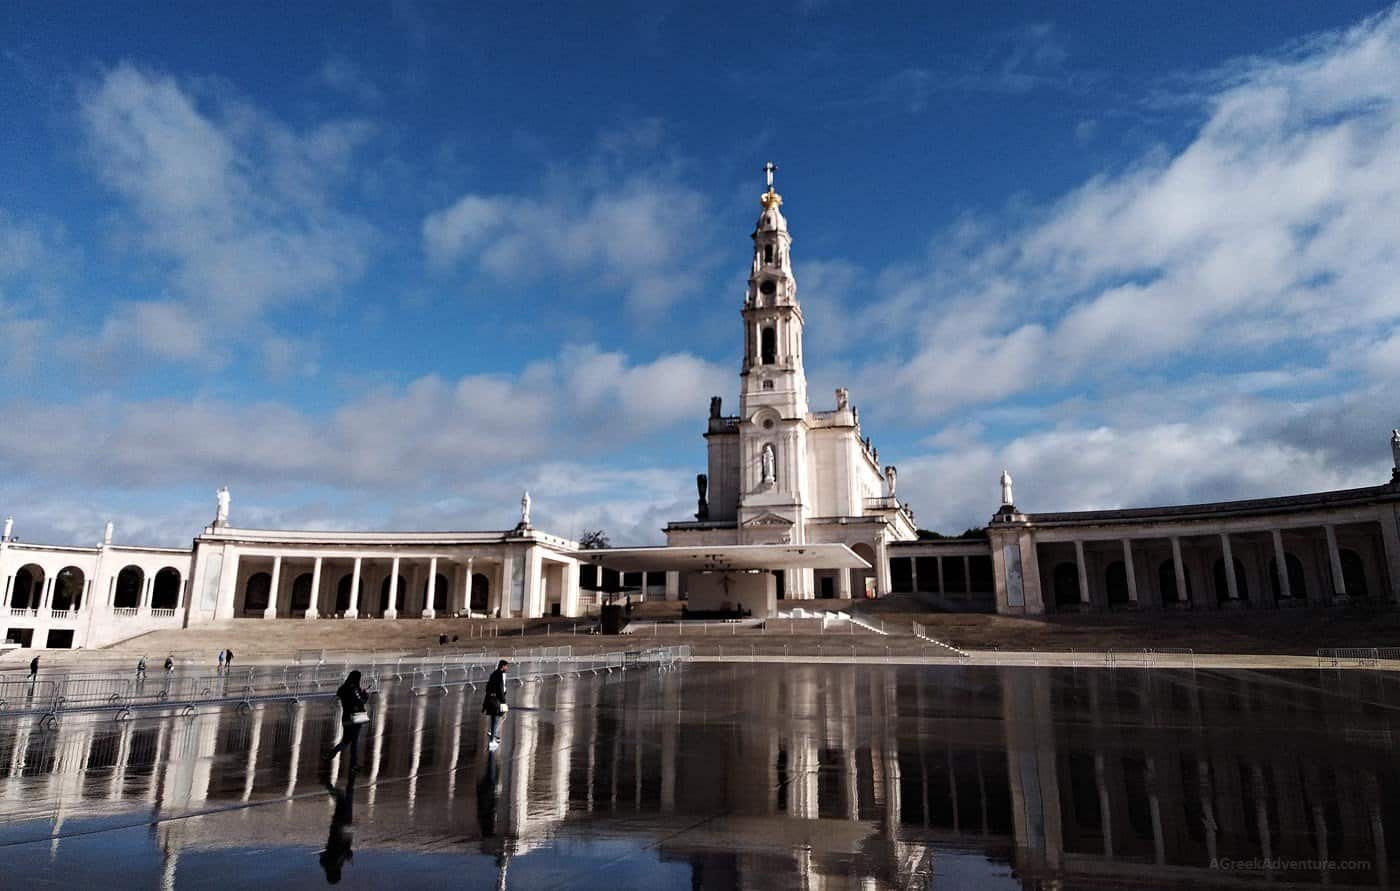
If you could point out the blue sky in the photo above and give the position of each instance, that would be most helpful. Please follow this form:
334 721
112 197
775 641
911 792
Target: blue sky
386 265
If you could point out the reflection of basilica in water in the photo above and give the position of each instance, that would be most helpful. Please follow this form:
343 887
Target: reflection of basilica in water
812 776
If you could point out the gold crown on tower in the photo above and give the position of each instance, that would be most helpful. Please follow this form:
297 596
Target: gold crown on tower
771 198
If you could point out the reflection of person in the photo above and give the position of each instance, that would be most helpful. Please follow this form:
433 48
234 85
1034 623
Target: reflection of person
352 716
486 797
141 669
340 840
495 703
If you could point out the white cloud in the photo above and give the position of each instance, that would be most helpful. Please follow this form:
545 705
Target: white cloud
242 207
1265 234
642 235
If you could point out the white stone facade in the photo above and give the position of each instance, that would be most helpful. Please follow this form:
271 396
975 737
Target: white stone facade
778 472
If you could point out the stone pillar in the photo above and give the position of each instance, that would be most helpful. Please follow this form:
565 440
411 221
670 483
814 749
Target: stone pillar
942 588
568 600
1281 564
843 583
1232 584
1130 570
673 585
467 587
1030 575
882 569
271 611
354 611
313 607
1390 539
644 584
9 583
1083 572
503 591
393 611
1339 582
532 605
48 593
430 592
1179 568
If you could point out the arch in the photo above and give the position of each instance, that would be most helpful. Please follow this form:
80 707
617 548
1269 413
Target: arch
1354 573
257 592
1115 582
384 595
68 588
165 590
342 592
130 581
1066 584
29 587
1166 582
481 593
1222 584
768 345
1297 581
301 593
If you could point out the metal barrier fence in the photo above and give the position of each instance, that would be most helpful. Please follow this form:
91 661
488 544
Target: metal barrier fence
922 634
1368 657
1150 658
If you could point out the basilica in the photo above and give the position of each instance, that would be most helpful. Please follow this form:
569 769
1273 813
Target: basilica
794 505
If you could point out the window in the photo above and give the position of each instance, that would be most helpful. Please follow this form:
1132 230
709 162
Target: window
768 342
767 253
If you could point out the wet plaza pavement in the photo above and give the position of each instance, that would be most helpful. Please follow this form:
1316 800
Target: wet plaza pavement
760 776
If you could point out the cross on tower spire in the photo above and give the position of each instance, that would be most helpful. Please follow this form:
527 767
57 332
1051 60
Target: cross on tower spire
770 168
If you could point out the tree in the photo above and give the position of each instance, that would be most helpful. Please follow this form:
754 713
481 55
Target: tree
594 540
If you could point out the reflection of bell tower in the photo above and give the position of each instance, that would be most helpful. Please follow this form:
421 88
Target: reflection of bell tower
772 374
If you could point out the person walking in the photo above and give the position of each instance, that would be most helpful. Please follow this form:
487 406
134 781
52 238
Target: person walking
169 666
228 660
141 669
495 703
352 717
33 674
221 662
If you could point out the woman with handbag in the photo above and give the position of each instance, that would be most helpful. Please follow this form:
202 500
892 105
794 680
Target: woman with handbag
495 702
352 716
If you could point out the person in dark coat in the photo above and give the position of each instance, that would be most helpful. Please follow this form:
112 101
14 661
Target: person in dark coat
353 716
34 668
228 660
340 842
495 703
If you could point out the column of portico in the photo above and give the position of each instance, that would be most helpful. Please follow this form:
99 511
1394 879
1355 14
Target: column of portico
503 592
1281 566
533 604
393 611
882 569
1334 556
1131 571
431 591
1182 595
843 583
466 586
271 611
354 611
673 583
1390 540
1232 584
9 584
311 607
1083 572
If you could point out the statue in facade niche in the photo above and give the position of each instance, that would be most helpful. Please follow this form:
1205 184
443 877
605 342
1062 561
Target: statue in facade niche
891 477
715 404
843 399
525 509
769 462
702 486
1395 447
221 513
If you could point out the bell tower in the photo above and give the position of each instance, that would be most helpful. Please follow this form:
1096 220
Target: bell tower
772 374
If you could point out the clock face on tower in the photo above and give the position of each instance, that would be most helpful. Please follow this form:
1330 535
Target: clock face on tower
768 287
